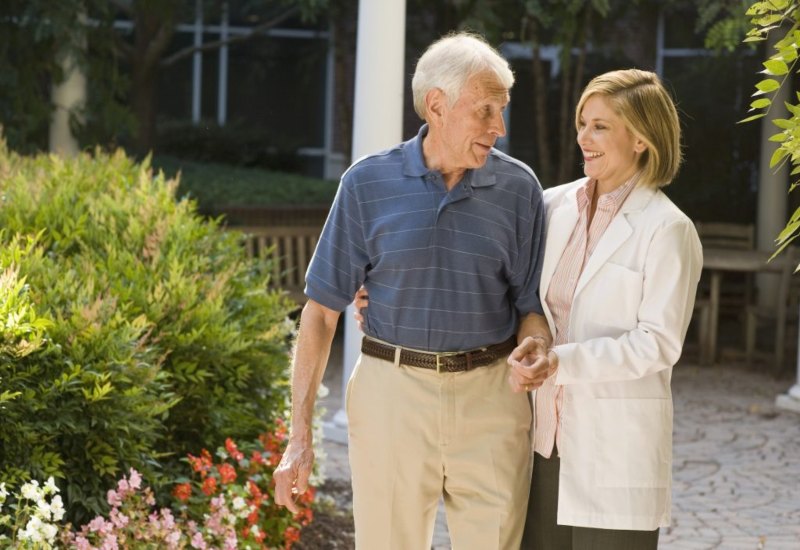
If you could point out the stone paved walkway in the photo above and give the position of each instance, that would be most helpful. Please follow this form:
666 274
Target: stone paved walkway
736 462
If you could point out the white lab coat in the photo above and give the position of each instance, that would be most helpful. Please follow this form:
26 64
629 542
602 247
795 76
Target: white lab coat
630 313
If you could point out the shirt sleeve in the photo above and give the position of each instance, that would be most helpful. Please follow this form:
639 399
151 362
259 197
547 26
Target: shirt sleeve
524 284
340 261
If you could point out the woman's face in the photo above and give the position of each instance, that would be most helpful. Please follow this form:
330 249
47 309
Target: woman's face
610 151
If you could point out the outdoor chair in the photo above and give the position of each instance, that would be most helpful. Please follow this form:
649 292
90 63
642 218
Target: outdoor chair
780 316
737 292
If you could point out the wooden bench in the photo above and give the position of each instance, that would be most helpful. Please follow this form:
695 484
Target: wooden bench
288 248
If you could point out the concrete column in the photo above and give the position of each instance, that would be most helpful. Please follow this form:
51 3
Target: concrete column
791 399
69 99
197 63
222 83
773 187
378 115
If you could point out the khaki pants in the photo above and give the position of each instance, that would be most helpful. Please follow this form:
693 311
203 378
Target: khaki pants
416 435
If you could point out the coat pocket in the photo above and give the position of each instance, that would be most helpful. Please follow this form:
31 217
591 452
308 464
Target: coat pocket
634 445
612 304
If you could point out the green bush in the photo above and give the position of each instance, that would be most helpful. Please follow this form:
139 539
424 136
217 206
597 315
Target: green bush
234 144
133 331
215 186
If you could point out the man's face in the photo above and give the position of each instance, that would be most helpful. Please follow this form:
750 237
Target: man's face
472 125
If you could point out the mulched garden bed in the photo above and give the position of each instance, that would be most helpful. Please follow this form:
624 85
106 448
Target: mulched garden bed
332 527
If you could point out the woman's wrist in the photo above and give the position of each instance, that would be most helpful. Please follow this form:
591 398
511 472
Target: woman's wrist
552 357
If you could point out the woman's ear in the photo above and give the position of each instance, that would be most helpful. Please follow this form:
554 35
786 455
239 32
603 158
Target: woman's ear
639 146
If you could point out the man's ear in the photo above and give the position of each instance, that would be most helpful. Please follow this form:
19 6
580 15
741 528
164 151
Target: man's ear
435 105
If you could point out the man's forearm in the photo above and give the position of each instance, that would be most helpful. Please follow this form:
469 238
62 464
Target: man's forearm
535 326
313 346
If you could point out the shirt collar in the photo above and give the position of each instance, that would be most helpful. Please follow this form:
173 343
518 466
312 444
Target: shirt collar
414 163
608 201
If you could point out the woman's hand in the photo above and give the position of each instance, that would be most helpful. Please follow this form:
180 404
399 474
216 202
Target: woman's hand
531 364
360 301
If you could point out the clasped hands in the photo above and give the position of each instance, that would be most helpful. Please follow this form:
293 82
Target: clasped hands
531 364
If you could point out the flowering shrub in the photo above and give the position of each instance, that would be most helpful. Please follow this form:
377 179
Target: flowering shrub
239 484
226 504
37 509
133 330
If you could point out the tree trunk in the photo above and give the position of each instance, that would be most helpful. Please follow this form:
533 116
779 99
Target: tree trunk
152 35
570 96
544 164
343 26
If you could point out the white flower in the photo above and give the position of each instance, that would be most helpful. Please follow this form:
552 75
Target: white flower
30 490
239 503
57 508
50 486
43 509
49 531
32 530
3 492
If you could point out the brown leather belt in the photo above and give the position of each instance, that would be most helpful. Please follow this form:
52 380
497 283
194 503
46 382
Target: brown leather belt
441 362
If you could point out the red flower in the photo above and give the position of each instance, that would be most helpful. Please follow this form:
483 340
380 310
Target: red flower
257 458
290 536
254 490
227 473
210 485
252 518
201 464
308 496
233 450
182 491
304 516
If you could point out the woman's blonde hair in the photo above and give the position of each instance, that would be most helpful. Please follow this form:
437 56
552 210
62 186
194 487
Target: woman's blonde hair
641 101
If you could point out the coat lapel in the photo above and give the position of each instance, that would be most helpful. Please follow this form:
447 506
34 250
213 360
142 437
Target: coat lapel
619 230
559 229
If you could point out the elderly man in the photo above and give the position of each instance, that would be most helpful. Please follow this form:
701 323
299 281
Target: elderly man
446 234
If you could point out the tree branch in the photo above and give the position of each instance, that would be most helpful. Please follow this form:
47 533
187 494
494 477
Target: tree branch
186 52
124 7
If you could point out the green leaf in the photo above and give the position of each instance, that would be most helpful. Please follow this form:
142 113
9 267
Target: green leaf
784 123
751 118
777 156
768 85
761 103
778 138
776 67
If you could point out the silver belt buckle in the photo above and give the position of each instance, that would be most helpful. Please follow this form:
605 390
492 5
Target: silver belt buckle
440 355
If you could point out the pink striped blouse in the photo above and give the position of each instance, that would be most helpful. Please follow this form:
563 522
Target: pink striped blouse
581 244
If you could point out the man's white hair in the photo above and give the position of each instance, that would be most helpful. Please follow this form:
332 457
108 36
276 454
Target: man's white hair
449 62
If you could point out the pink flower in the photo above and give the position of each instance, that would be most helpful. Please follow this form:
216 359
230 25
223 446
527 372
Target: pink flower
118 519
135 480
110 543
198 542
98 524
114 498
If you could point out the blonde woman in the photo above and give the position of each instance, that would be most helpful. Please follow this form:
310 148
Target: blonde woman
618 284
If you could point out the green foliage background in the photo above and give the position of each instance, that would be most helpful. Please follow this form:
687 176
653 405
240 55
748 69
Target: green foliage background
133 331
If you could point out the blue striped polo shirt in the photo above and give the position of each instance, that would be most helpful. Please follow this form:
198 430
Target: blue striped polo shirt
445 271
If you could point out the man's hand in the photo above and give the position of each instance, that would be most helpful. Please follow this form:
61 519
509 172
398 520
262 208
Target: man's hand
360 301
531 364
291 475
